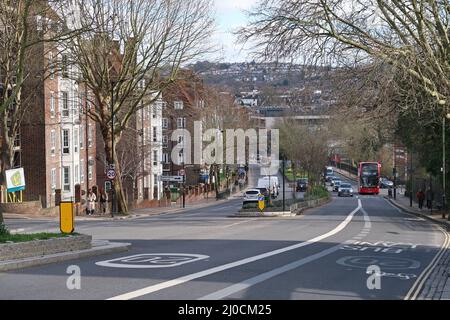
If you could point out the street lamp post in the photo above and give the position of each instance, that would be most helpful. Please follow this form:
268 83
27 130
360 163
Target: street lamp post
113 193
443 169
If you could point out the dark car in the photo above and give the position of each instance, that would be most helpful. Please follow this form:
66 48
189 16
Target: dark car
302 185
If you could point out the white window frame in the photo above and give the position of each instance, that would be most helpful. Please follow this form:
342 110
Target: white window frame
75 140
181 123
65 142
90 135
178 105
65 111
53 179
66 179
52 142
155 133
76 174
51 65
52 105
165 123
82 170
90 170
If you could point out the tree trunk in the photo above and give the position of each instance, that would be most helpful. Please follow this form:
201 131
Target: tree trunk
6 159
119 194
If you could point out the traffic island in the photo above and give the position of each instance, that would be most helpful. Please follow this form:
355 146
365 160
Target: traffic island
56 248
295 209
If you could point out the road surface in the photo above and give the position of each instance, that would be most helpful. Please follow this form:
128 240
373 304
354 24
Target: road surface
206 254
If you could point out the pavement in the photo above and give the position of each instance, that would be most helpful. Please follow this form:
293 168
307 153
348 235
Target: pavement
362 247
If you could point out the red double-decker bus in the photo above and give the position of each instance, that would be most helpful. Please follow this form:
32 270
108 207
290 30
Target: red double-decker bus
369 177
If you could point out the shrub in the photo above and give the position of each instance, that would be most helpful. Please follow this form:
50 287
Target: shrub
3 230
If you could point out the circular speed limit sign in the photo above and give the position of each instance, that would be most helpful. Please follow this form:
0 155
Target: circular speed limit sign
111 174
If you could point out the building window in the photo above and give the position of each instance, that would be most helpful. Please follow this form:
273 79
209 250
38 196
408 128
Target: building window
51 66
165 157
90 135
66 142
165 140
75 140
53 179
178 105
81 137
181 123
155 134
155 157
52 142
65 104
90 169
82 171
165 123
155 110
77 173
52 105
66 178
181 139
181 157
64 67
75 106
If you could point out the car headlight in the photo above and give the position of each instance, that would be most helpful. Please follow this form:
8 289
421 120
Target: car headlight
351 190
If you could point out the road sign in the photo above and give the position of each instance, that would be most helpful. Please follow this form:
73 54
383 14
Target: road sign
111 174
172 178
261 202
15 180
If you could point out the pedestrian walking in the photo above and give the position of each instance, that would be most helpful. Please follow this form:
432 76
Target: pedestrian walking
420 198
429 197
103 200
91 199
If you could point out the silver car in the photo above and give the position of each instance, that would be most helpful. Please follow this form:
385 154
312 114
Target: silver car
345 190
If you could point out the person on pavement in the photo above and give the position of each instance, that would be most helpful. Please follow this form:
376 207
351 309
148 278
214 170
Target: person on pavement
92 198
420 198
429 196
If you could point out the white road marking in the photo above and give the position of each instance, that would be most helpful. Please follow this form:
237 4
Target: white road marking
190 277
275 272
266 276
418 285
152 260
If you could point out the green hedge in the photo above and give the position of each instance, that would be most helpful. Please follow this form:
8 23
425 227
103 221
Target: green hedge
317 192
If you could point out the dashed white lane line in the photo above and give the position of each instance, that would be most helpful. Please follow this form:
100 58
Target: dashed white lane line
201 274
226 292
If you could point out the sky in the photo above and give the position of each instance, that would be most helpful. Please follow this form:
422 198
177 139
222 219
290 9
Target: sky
229 17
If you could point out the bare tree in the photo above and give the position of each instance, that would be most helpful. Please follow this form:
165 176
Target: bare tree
306 145
28 29
412 36
134 51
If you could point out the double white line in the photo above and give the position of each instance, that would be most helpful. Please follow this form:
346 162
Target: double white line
418 285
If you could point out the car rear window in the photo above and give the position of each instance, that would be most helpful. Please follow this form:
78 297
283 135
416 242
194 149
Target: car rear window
345 185
252 192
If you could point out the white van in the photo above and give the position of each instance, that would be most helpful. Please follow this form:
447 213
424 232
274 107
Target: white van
270 183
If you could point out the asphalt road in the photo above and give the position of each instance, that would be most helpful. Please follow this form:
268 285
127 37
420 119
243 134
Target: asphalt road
205 254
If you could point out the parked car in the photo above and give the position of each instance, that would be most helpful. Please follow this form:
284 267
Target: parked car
336 184
386 183
329 178
251 195
345 189
302 185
